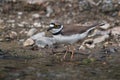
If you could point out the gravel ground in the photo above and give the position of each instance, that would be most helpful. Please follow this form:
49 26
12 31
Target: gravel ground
33 63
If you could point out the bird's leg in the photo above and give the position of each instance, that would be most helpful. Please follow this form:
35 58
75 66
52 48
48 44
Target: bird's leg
73 51
67 49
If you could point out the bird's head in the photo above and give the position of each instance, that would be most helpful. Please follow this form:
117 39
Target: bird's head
51 26
55 29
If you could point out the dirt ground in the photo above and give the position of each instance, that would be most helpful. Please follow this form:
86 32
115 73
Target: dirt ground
32 63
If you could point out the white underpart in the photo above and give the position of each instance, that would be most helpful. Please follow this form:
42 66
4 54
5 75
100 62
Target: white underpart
72 38
41 40
45 41
56 30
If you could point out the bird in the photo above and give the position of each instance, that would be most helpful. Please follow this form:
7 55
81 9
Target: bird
69 34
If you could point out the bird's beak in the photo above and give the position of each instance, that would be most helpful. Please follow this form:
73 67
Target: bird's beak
49 28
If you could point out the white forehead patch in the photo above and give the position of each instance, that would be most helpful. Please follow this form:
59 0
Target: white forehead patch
51 25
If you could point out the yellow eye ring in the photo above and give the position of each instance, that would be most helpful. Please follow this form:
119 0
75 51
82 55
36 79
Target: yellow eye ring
56 25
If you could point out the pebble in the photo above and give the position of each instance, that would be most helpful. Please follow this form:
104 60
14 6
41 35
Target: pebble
86 43
49 11
31 32
107 5
37 24
90 43
35 15
28 42
35 1
90 46
13 35
112 50
20 13
10 21
21 41
100 39
119 13
23 31
1 21
115 31
19 17
13 25
1 39
20 25
84 5
24 22
105 25
99 32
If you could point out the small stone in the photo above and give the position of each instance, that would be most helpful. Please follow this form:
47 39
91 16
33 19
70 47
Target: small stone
90 43
119 44
86 43
1 40
100 39
84 5
36 15
14 0
24 22
35 1
19 17
90 46
32 31
13 25
13 35
1 21
23 31
49 11
99 32
112 50
119 13
115 31
21 41
20 25
82 47
105 25
37 24
20 13
10 21
107 5
28 42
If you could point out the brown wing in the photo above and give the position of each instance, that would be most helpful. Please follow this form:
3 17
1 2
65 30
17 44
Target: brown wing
75 29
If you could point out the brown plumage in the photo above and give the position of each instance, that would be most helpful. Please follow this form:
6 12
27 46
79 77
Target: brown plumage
75 29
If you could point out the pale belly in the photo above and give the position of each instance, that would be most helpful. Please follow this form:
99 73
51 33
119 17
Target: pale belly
66 39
